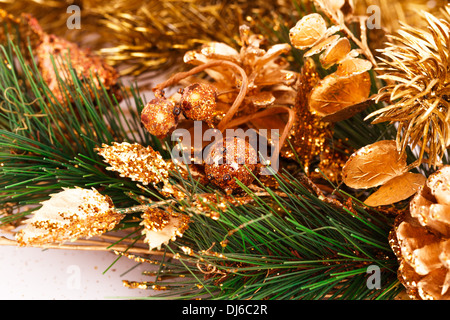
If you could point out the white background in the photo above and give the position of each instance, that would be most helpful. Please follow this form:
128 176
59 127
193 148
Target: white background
33 273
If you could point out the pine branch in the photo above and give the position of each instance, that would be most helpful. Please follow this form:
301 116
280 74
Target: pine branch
288 243
307 249
45 146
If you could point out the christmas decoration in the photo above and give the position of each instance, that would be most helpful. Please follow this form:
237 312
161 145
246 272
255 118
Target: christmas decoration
160 227
89 161
334 96
150 35
417 93
230 159
268 83
420 240
69 215
160 116
139 163
381 164
198 102
52 53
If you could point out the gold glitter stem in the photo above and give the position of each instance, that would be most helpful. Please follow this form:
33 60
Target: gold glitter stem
143 207
102 247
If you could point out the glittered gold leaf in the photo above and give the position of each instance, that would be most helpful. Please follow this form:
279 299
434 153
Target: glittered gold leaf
397 189
307 31
374 165
353 66
68 215
322 45
335 53
336 93
160 227
142 164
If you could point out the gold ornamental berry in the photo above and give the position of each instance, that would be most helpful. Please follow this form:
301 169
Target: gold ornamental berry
198 102
160 116
228 159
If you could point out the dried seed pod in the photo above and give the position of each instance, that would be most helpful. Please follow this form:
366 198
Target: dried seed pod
307 31
199 102
230 158
374 165
159 117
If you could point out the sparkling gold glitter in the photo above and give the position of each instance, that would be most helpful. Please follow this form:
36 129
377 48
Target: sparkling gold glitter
226 161
310 136
141 164
199 102
160 116
161 226
69 215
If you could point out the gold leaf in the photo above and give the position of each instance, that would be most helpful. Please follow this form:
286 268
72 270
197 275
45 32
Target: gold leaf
347 112
374 165
335 53
335 93
322 45
307 31
353 66
397 189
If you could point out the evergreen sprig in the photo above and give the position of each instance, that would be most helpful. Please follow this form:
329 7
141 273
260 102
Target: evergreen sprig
45 146
288 243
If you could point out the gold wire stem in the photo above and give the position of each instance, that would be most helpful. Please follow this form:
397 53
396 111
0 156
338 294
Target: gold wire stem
213 63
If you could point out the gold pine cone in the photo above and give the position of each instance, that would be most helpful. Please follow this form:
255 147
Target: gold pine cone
421 240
